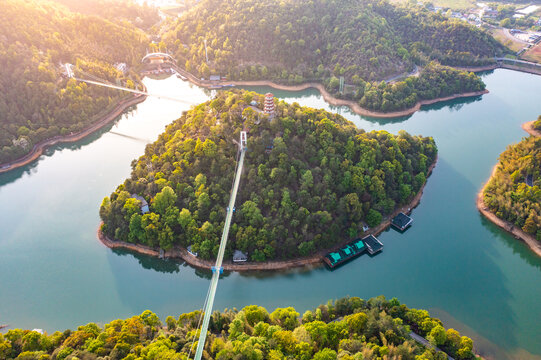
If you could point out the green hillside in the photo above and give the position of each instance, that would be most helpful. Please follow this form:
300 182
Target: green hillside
311 179
346 329
514 192
364 41
318 38
37 102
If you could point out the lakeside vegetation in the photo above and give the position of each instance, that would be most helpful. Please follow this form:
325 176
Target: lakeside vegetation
537 123
311 179
37 102
346 329
363 41
514 191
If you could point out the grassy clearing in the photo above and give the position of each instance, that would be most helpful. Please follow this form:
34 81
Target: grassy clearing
534 54
506 41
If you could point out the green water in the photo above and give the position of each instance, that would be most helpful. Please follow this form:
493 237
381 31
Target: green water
54 274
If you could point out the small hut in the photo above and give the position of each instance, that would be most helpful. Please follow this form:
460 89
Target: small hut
401 221
239 256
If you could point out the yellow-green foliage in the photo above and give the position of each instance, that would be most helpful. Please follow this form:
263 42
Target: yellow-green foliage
351 328
310 179
508 194
37 102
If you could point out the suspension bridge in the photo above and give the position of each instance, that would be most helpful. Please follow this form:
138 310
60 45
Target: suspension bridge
91 79
217 269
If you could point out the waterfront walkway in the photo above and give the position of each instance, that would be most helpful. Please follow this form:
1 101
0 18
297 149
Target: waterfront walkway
421 340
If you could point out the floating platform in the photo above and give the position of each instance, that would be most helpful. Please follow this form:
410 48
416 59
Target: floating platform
401 222
373 245
345 253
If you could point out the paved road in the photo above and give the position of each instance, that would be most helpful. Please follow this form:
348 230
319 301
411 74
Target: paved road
423 341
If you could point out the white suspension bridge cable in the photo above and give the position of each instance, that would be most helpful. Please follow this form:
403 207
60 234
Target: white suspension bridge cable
105 83
217 269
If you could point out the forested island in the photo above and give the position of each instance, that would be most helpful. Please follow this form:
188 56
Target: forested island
364 42
513 193
311 179
37 102
346 329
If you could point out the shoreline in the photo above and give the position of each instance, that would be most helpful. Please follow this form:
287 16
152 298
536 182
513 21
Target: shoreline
528 127
41 146
353 105
530 240
330 99
309 262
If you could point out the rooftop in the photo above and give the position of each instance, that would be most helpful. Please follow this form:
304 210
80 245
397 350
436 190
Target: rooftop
373 244
401 221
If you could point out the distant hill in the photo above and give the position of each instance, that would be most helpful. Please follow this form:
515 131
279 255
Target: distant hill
36 37
311 179
142 16
316 39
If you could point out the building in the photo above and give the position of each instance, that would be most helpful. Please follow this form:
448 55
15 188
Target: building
269 104
239 256
193 253
122 67
401 221
373 245
144 203
214 77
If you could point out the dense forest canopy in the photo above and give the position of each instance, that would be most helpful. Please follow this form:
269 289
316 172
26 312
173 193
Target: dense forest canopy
364 41
346 329
314 38
36 37
311 179
142 16
514 191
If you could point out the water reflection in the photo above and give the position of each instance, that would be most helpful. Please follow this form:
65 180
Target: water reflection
151 263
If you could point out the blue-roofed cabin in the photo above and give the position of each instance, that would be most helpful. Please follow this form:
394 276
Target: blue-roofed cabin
144 204
358 245
332 259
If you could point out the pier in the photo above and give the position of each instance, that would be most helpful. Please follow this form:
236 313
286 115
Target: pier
351 250
401 222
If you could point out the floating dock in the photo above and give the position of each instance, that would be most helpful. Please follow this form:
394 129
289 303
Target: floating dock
352 250
373 245
401 222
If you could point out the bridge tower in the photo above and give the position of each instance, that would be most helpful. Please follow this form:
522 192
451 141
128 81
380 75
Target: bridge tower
243 141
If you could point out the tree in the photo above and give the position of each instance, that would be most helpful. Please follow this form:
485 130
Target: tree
285 317
164 199
325 354
438 335
373 218
255 314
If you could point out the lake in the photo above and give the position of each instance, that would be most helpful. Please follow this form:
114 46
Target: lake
55 274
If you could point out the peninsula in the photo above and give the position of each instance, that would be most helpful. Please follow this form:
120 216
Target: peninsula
511 197
311 180
384 57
